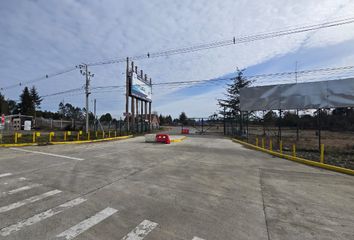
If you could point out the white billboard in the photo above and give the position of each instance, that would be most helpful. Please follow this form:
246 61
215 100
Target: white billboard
139 88
310 95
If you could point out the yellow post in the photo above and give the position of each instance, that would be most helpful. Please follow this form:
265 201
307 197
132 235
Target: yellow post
50 137
109 134
34 137
294 150
322 153
270 145
281 147
15 137
263 145
65 136
88 135
78 136
257 141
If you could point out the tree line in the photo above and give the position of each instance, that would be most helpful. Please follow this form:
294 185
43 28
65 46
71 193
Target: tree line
30 104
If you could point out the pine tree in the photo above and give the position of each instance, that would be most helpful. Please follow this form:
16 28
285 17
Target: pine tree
183 118
3 105
230 106
26 104
35 97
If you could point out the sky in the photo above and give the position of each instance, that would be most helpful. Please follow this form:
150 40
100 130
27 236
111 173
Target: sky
39 37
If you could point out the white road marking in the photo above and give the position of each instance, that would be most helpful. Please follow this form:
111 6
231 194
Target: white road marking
28 200
41 216
17 190
86 224
198 238
5 174
140 232
15 180
49 154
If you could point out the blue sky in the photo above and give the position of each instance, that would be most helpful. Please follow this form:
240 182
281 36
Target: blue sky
40 37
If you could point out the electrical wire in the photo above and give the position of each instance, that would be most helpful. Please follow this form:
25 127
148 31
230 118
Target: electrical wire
261 79
200 47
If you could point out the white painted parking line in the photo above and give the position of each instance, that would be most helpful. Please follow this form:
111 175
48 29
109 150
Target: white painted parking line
140 232
41 216
14 181
86 224
5 174
28 200
48 154
198 238
21 189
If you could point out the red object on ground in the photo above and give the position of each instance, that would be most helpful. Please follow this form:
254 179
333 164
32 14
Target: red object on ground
163 138
185 131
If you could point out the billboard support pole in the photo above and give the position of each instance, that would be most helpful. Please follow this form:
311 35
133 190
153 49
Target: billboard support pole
137 114
133 114
127 95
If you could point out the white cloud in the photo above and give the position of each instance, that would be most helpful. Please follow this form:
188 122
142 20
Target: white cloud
39 37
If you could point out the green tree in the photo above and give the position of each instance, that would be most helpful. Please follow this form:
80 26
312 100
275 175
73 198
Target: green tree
106 118
161 120
26 104
69 111
183 118
35 97
169 120
4 106
230 106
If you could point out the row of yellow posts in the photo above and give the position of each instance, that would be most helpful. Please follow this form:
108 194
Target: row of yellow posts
293 148
35 135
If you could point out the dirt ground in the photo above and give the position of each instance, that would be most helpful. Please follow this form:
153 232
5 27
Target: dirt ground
339 146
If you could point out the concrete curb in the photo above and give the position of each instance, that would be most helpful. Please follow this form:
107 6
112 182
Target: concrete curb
297 159
68 142
178 139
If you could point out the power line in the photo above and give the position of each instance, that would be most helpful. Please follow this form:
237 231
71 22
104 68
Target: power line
181 84
39 78
228 42
200 47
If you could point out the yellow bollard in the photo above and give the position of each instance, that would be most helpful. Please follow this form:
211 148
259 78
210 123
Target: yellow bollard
33 137
281 147
270 145
50 137
322 153
109 134
78 136
257 141
263 145
294 150
15 137
88 135
64 136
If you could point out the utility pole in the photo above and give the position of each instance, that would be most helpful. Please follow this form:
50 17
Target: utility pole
127 117
84 71
94 113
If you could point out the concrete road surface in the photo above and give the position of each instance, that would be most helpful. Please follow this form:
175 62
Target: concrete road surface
202 188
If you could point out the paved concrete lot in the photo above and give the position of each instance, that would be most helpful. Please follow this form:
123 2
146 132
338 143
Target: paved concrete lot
202 188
